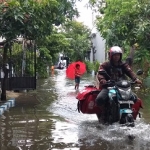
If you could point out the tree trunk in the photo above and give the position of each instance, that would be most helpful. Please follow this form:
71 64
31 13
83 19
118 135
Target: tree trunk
5 70
3 94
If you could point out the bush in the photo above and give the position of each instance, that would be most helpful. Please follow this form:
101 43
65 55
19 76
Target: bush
92 66
89 66
96 66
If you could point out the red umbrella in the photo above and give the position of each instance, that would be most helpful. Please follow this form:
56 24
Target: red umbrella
70 71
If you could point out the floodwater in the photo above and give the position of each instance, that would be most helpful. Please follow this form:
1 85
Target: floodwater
55 124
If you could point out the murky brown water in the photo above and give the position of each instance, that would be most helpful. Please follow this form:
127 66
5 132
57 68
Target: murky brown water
55 124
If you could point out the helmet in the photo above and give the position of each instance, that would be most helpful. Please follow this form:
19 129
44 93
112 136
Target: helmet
115 50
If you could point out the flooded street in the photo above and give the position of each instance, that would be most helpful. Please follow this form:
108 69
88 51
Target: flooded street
55 124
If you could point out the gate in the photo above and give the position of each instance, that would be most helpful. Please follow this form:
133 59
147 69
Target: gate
22 66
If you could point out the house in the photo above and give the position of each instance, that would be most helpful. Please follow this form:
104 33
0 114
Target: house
97 48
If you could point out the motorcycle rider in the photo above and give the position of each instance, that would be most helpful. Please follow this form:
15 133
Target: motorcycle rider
116 69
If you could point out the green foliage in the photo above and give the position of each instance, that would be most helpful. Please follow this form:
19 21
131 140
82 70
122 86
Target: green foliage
78 36
94 4
57 43
17 58
33 19
17 61
92 66
147 82
96 65
72 39
141 57
125 23
89 66
118 22
43 61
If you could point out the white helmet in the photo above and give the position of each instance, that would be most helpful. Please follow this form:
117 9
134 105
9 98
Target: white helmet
115 50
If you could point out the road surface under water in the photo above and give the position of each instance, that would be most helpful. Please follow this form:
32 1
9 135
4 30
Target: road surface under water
55 124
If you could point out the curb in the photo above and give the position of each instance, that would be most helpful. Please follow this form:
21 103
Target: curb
5 106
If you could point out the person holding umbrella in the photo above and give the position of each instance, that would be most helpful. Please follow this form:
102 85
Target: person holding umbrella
77 76
74 72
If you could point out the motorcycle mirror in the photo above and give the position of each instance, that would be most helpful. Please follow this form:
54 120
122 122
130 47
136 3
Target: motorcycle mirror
139 72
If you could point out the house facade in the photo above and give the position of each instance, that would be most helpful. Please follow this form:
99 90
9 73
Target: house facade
97 48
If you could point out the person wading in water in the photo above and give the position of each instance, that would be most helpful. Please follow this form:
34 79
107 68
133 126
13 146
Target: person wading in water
77 76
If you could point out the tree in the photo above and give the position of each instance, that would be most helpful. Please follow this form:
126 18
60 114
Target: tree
30 19
79 37
51 46
126 23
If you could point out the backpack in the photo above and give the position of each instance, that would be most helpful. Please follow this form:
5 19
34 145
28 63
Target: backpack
86 100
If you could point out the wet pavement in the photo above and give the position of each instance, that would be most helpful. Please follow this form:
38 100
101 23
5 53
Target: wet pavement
55 124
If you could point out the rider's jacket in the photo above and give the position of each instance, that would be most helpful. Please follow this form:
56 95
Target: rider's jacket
116 72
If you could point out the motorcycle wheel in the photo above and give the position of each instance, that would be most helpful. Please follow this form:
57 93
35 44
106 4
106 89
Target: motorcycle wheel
128 120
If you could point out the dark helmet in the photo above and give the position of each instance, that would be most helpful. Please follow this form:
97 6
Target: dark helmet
115 50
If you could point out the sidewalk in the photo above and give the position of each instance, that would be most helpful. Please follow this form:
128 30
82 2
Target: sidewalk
13 98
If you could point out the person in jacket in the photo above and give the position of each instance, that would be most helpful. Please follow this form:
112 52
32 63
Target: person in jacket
116 69
77 76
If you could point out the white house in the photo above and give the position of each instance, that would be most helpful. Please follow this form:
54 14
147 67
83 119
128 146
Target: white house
97 48
88 16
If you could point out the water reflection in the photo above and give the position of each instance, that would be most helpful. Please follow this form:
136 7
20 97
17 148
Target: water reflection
65 132
53 123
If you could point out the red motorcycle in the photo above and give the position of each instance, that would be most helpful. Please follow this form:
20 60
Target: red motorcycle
121 107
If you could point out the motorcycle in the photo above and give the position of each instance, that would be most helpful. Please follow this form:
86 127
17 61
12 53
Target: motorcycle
122 106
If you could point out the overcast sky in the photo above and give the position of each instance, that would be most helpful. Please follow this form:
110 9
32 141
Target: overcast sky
85 13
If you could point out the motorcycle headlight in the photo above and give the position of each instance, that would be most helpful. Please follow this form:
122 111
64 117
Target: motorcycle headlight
125 93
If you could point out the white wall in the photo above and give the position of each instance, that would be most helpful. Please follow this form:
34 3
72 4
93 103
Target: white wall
99 44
